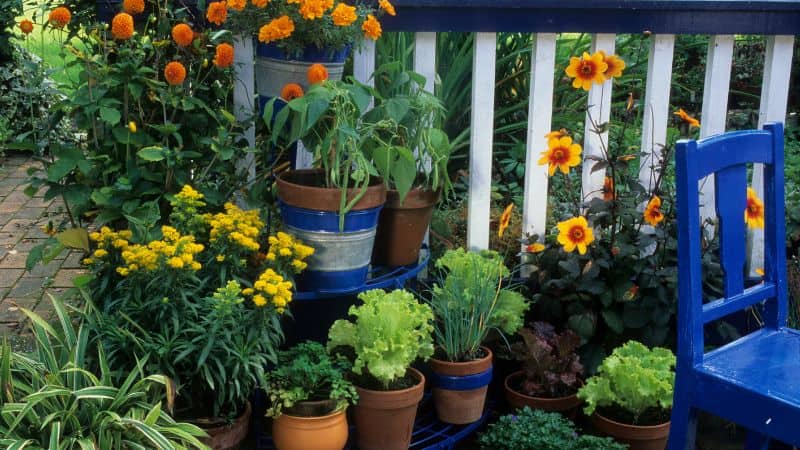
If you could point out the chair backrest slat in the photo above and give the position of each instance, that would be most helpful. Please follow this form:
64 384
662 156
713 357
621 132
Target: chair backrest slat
727 157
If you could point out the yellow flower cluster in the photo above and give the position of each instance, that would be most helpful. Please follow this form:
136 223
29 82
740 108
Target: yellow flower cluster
284 246
237 226
272 288
175 251
189 198
107 239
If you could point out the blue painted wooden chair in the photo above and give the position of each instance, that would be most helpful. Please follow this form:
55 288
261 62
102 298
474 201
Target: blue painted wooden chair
755 380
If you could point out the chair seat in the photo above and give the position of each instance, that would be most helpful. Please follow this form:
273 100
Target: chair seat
767 361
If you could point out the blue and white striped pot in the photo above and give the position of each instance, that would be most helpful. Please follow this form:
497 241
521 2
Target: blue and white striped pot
310 212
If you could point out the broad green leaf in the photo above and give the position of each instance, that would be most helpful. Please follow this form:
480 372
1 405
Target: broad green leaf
152 153
74 238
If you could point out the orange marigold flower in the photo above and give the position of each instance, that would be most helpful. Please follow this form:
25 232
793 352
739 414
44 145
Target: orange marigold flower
26 26
754 213
575 233
279 28
317 73
237 5
59 17
217 12
505 219
652 213
388 7
587 70
314 9
608 189
561 154
344 15
260 3
292 91
183 35
223 57
122 26
536 247
175 73
133 7
614 65
372 28
687 118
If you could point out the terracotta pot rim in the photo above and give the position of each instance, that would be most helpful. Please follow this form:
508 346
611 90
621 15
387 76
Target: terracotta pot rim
463 367
417 374
521 373
338 412
420 198
246 412
636 427
374 196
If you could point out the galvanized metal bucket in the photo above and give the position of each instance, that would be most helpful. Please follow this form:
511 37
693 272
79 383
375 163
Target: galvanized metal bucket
274 69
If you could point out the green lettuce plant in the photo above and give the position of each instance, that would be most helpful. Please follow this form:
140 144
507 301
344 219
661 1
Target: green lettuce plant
633 378
306 372
470 300
389 332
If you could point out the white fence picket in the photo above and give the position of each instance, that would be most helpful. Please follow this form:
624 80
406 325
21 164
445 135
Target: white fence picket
656 107
481 140
599 112
540 112
364 62
715 107
244 97
774 97
425 57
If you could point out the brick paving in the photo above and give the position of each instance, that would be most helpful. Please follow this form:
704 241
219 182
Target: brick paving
21 221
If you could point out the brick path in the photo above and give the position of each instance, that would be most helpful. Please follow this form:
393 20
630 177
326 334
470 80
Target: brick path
21 220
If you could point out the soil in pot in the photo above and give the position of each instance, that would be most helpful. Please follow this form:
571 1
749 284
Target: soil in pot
385 419
402 227
517 400
227 436
311 426
651 434
459 388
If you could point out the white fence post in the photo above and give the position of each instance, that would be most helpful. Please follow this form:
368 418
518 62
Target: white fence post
244 97
481 141
656 107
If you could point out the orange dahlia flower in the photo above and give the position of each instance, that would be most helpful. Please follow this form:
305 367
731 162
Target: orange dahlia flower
575 233
754 213
277 29
175 73
292 91
561 154
614 65
608 189
133 7
183 35
59 17
536 247
26 26
217 12
122 26
687 118
317 73
587 70
223 57
652 213
344 15
388 7
372 28
505 219
556 134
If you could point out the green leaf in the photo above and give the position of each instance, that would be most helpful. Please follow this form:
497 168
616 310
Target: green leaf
397 108
74 238
152 153
613 320
109 115
583 324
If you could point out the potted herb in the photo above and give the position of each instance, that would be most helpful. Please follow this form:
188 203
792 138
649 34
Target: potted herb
309 395
410 152
389 332
631 396
334 207
531 429
551 372
466 302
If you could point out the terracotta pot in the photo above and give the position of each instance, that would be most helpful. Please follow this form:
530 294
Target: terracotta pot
228 437
385 419
637 437
518 400
460 406
402 227
310 433
303 189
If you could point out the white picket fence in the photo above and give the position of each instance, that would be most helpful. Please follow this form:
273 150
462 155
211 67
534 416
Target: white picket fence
774 96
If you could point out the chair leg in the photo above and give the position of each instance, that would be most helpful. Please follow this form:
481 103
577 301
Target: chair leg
683 429
756 441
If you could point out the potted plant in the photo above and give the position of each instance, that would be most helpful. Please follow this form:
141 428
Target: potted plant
631 396
203 298
302 43
410 152
309 394
389 332
334 207
466 302
530 429
551 372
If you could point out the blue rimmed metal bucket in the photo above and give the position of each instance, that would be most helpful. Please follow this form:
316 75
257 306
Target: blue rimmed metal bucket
341 258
